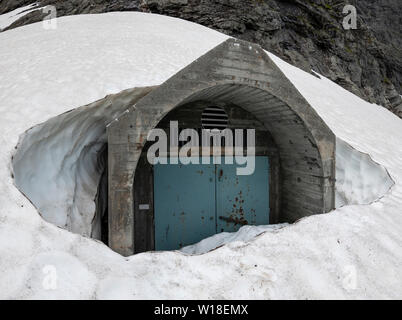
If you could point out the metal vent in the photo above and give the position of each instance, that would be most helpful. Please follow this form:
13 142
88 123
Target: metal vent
214 118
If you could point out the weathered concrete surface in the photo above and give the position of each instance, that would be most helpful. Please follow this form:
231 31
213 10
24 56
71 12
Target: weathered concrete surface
241 73
115 227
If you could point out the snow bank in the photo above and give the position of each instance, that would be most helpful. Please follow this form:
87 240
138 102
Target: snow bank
244 234
352 252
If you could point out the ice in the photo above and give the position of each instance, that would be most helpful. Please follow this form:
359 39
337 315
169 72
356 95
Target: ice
359 180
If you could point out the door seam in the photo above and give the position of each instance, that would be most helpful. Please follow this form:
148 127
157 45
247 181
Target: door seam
216 201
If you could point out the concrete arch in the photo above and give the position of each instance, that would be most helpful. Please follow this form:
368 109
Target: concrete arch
301 160
240 73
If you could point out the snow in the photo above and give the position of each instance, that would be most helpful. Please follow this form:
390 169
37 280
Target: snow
352 252
359 180
9 18
244 234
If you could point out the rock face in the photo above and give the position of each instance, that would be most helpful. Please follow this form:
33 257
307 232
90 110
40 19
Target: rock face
308 34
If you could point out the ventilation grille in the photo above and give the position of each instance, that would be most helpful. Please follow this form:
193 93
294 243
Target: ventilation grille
214 118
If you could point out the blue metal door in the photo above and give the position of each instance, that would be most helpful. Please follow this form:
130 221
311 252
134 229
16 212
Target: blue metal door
184 200
242 200
195 201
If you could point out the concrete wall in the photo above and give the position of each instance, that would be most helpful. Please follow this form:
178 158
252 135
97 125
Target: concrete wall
234 72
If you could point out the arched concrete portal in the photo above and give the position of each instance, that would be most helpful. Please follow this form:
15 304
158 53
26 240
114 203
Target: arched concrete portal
240 73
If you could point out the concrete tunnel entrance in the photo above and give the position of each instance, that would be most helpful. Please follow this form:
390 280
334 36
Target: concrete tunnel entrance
295 155
177 205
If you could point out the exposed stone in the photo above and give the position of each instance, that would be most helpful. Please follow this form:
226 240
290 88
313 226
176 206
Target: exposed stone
308 34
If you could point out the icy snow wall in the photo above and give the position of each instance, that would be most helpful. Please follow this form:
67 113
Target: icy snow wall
359 180
58 164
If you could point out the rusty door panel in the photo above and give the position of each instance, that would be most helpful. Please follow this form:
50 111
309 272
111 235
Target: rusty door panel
242 200
195 201
184 202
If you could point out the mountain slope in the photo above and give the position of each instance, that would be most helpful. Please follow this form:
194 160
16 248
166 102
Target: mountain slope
308 34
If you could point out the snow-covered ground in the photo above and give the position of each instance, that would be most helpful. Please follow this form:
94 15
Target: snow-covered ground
352 252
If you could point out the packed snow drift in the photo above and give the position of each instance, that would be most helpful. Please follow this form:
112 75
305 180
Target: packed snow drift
51 156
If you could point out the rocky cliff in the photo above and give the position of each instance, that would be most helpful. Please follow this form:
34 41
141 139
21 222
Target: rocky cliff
308 34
